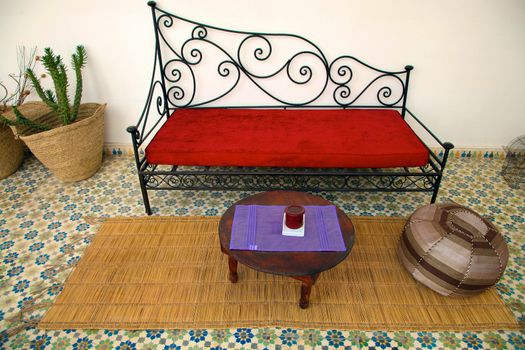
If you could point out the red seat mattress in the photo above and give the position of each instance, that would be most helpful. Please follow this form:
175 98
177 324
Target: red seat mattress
328 138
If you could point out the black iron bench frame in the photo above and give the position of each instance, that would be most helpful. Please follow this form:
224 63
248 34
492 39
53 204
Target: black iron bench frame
166 94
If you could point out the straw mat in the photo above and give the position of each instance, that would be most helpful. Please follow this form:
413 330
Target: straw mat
169 272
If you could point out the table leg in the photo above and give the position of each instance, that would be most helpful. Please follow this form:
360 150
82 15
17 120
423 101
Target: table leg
232 265
306 287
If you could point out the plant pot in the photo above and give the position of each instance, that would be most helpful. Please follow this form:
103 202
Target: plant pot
11 152
72 152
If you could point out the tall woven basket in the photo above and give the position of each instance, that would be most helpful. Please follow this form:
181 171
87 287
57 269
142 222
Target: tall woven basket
11 152
72 152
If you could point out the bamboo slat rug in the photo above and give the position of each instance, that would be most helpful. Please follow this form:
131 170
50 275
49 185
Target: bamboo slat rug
169 272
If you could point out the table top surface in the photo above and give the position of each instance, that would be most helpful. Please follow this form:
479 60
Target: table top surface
286 263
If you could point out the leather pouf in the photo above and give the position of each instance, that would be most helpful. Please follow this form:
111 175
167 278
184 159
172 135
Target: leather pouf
452 250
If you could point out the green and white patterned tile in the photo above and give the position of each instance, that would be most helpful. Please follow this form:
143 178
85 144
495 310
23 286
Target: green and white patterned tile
45 223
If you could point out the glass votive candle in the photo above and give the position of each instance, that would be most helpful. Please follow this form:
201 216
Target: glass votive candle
294 216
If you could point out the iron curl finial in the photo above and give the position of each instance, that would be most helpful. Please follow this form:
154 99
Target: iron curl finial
223 70
259 53
199 32
386 92
167 21
340 93
172 70
160 105
177 92
343 74
305 71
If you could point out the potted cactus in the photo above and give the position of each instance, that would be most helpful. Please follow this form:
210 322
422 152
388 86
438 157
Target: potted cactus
66 136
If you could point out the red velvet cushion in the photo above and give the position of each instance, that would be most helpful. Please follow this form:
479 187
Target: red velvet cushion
357 138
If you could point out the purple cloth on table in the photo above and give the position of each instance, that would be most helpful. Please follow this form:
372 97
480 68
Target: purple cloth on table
259 227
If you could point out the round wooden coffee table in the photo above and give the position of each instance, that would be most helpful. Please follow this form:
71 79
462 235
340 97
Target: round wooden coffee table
302 266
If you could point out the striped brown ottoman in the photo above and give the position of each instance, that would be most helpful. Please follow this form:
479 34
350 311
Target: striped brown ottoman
452 250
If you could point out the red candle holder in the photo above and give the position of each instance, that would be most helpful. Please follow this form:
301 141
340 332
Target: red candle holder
294 216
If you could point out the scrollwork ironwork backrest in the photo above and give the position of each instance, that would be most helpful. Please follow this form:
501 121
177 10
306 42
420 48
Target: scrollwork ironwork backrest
200 65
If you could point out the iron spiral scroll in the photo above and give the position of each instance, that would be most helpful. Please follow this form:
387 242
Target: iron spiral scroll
254 59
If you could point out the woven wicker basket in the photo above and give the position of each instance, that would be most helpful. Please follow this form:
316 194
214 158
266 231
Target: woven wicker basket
11 152
72 152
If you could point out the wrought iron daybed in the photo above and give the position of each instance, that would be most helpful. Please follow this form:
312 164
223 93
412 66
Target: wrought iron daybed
307 131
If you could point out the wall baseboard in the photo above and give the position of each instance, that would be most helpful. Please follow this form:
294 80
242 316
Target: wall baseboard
118 149
475 153
124 149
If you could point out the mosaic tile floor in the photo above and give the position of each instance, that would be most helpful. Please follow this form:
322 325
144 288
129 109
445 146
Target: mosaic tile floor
46 225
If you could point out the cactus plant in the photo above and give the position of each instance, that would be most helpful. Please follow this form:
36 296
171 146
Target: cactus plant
58 100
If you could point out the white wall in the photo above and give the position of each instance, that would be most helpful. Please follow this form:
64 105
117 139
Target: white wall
469 55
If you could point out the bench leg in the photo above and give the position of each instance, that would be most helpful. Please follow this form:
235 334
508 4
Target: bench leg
436 190
145 197
448 146
135 138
